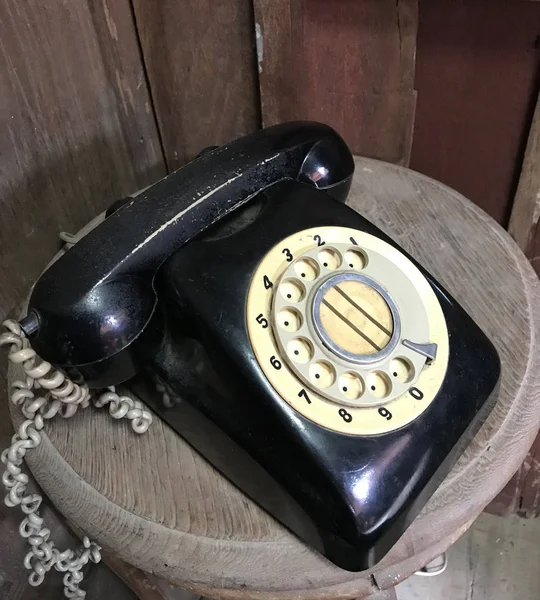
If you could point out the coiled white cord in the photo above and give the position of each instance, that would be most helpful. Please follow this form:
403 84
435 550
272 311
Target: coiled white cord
60 396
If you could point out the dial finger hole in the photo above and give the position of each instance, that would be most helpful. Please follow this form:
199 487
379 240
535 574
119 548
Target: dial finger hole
355 259
300 350
402 369
351 386
292 290
329 258
307 269
322 374
289 319
379 384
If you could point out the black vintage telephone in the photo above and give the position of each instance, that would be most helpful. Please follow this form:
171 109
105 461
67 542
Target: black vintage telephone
303 352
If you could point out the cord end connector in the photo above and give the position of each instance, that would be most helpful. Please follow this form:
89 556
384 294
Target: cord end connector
30 323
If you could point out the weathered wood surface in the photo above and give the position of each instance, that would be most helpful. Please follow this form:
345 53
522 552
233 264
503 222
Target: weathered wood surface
99 581
77 132
524 224
155 503
522 493
349 64
476 82
201 65
494 560
77 127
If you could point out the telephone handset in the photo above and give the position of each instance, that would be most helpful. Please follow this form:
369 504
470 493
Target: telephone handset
95 318
301 350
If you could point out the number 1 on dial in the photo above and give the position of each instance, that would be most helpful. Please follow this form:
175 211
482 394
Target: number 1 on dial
303 394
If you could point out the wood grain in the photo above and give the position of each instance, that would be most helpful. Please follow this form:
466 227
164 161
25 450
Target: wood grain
383 595
155 503
77 132
492 561
522 493
525 217
99 581
77 126
200 60
349 64
477 84
146 586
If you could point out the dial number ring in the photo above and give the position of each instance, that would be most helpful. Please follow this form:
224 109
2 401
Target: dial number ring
355 409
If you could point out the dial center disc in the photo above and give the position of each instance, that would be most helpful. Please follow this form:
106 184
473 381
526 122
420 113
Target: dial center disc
355 318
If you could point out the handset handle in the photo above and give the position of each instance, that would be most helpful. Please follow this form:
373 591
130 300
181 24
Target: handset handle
91 304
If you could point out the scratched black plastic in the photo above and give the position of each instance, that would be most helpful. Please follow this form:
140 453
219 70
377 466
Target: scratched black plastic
96 306
112 308
301 472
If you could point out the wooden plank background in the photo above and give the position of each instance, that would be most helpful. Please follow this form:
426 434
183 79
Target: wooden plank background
476 78
349 64
102 98
524 222
77 132
200 60
77 126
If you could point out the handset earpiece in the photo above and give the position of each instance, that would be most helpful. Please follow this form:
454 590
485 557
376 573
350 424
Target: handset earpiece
92 305
325 168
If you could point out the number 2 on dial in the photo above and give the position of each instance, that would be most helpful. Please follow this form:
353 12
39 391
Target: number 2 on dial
319 240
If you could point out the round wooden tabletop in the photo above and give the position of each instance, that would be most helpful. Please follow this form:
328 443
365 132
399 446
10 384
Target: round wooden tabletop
156 504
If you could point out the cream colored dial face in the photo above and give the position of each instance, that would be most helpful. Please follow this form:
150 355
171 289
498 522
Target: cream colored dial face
347 330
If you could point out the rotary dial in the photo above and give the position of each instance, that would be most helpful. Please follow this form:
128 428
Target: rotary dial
347 330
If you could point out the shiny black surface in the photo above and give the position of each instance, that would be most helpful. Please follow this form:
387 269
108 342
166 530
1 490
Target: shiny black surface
351 497
97 310
94 303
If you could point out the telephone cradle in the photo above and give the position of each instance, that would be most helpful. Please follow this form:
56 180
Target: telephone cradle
294 344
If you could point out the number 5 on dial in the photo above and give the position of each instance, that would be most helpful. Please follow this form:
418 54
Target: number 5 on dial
262 321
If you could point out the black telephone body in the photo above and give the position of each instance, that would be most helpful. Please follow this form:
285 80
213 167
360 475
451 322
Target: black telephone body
300 350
